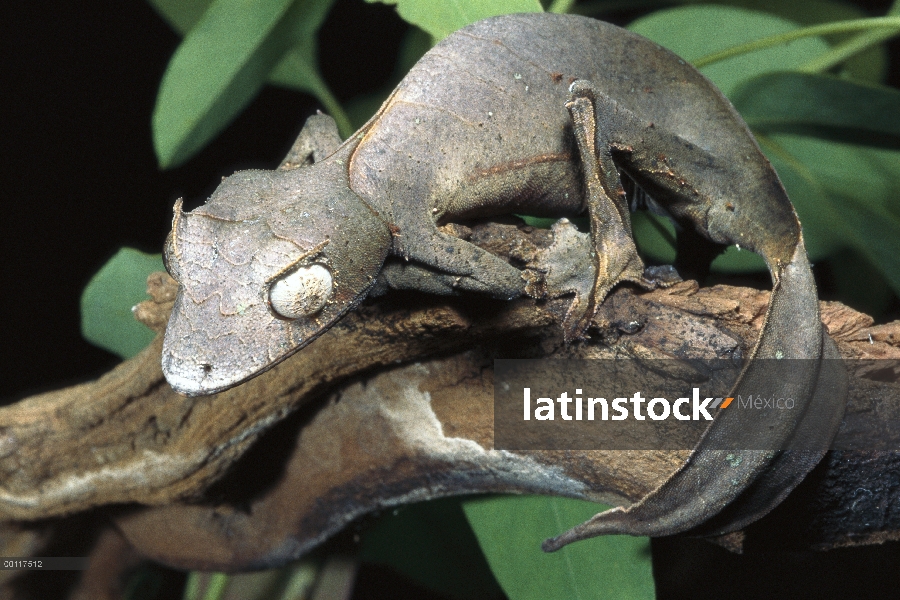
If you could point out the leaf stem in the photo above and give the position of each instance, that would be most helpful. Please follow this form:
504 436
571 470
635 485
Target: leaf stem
192 586
561 6
215 589
297 70
851 47
593 8
790 36
333 108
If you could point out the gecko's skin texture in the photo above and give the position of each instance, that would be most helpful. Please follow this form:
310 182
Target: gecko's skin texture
539 114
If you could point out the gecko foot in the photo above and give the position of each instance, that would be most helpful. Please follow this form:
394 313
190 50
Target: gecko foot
563 268
662 276
566 267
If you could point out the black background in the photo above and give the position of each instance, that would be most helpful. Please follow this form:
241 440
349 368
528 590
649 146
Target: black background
79 180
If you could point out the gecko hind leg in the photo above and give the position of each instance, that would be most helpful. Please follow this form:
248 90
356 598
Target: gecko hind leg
613 252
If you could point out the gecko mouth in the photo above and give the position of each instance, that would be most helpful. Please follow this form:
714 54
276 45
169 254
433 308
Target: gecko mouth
196 380
204 353
203 356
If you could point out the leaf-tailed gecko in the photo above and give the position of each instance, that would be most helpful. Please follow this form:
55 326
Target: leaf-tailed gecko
539 114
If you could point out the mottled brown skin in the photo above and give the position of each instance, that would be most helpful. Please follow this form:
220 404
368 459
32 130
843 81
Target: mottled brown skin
538 114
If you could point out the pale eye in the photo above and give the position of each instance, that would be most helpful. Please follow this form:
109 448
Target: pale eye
303 293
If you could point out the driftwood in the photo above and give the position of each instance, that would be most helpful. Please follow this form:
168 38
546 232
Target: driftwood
395 405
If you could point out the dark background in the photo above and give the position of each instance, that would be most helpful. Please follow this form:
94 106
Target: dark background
79 180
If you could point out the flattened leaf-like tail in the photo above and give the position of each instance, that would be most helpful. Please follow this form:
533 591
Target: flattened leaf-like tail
745 465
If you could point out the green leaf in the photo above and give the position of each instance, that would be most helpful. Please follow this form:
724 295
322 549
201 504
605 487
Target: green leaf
293 581
415 44
873 24
655 240
849 197
106 318
869 65
431 543
844 192
440 19
561 6
857 50
181 14
220 66
361 108
539 222
511 529
821 105
205 586
697 31
298 68
654 236
807 12
735 260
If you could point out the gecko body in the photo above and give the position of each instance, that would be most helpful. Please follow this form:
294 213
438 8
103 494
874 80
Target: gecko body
538 114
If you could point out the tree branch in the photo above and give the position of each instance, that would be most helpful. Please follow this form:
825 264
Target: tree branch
262 473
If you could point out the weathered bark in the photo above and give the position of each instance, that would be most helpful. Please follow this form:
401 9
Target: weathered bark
353 423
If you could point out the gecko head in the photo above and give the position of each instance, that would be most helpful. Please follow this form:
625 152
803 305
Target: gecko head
272 260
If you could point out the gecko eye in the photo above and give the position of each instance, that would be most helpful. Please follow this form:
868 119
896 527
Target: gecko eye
303 293
170 261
